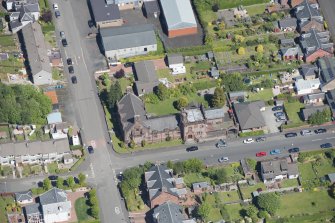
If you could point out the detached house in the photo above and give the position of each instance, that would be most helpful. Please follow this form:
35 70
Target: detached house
309 17
249 115
146 77
276 170
327 73
170 213
176 63
24 197
287 24
315 44
306 86
25 12
106 13
163 187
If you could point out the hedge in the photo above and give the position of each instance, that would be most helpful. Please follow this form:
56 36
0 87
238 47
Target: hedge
77 164
252 133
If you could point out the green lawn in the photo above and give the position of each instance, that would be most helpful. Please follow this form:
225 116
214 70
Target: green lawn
226 4
124 82
289 183
233 171
293 111
82 210
229 196
56 74
52 167
191 178
264 95
234 211
306 171
3 203
246 191
325 168
256 9
6 41
301 203
214 215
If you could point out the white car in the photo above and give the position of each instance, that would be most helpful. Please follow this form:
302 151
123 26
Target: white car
247 141
223 159
55 6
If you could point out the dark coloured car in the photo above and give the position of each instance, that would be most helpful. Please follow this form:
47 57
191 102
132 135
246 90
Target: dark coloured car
294 150
221 143
291 134
90 149
192 148
74 80
53 177
64 42
128 64
57 14
260 139
69 61
277 108
71 70
326 145
90 23
278 114
320 131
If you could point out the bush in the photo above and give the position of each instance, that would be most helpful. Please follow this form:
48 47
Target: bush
143 143
168 138
271 102
252 133
119 74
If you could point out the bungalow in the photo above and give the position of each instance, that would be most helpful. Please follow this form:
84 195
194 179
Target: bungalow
169 212
24 197
176 63
287 24
215 73
306 86
327 73
310 110
249 115
330 97
276 170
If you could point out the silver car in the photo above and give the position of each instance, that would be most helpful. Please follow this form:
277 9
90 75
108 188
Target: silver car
223 159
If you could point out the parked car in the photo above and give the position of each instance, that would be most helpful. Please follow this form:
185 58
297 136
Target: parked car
223 159
53 177
62 34
260 139
90 23
260 154
247 141
74 80
90 149
221 143
71 70
64 42
275 152
69 61
279 114
277 108
192 148
281 119
294 150
326 145
55 6
57 14
291 134
320 131
306 132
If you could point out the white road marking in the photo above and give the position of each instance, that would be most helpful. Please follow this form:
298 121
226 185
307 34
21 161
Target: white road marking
92 170
331 137
117 210
75 58
65 53
314 140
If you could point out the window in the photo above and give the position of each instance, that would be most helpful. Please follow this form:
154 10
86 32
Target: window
145 49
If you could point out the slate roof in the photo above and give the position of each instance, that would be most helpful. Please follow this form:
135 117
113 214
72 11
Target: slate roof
52 196
146 77
291 51
200 185
308 111
249 115
104 12
287 23
161 123
214 113
128 37
36 48
175 59
287 42
194 115
22 196
327 69
320 95
307 70
331 177
34 147
178 14
129 107
272 168
314 40
330 96
32 209
307 10
151 6
169 213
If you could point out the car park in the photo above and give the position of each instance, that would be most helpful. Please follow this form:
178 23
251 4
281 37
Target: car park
291 134
275 152
57 14
221 143
279 114
223 159
260 139
320 131
260 154
64 42
74 80
62 34
294 150
90 149
69 61
71 70
247 141
277 108
192 148
306 132
326 145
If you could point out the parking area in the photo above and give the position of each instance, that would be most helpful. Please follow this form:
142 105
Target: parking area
270 120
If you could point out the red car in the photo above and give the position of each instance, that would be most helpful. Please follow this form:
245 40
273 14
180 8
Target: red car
261 154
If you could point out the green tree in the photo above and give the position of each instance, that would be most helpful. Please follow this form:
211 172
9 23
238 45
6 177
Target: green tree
162 92
92 193
259 48
269 202
193 165
115 94
252 211
181 103
204 210
47 184
70 182
238 39
178 168
222 25
105 79
233 82
94 210
241 51
132 177
82 179
221 176
218 99
60 183
169 164
320 117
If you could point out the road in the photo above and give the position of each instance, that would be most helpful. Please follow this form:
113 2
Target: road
328 10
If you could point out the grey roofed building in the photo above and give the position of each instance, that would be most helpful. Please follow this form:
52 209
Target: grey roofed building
146 77
37 55
307 11
139 39
330 97
32 209
170 213
327 69
331 177
200 185
23 196
237 96
310 110
249 114
54 195
308 70
178 14
215 72
35 147
288 23
175 59
151 8
278 169
287 42
316 96
106 15
213 113
162 123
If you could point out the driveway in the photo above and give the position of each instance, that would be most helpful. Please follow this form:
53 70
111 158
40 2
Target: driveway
270 120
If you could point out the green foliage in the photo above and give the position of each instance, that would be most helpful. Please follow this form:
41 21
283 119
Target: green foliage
114 95
181 103
252 133
178 168
260 48
70 182
219 98
94 211
151 98
203 85
269 202
60 183
319 118
23 104
204 210
143 143
132 177
221 176
252 211
233 82
193 165
105 79
263 214
82 179
252 163
162 92
169 164
46 184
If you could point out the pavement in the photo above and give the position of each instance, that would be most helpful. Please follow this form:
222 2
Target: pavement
328 10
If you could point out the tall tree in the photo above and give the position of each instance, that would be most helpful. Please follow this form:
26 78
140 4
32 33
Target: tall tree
181 103
218 99
115 94
269 202
162 92
204 210
60 183
47 184
81 178
70 182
